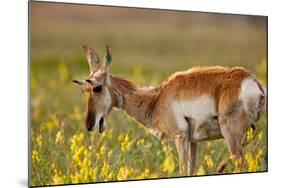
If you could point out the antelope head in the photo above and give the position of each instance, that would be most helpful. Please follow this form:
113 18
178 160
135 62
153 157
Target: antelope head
97 88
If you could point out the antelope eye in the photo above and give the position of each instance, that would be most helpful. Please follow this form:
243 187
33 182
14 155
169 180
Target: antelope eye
97 88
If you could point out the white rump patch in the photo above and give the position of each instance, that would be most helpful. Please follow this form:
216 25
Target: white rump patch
200 109
249 95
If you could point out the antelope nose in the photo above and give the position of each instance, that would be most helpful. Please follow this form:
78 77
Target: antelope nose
89 128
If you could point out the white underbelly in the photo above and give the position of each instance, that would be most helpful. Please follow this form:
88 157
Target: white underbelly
199 109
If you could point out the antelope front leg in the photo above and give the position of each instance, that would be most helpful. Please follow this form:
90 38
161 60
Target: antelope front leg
182 148
192 156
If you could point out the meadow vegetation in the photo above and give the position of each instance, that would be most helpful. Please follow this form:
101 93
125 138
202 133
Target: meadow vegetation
147 47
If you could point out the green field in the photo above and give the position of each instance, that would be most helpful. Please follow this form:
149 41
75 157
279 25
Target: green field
147 46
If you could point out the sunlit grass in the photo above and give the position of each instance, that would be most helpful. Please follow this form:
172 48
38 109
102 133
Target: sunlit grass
64 152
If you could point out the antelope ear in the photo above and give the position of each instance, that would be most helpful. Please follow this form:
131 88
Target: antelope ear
79 82
93 59
106 60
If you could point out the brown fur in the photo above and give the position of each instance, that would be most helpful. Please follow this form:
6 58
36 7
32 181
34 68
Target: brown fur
220 82
123 85
137 100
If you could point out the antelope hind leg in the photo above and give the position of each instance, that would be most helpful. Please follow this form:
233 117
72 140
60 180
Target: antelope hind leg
233 129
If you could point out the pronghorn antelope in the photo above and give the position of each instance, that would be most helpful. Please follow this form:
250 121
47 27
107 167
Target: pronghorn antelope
203 103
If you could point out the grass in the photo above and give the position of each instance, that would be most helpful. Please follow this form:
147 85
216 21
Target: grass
145 51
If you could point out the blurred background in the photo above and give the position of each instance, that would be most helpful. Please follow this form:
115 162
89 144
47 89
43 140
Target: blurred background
147 46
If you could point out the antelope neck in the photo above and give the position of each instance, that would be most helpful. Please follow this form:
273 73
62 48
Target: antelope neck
136 102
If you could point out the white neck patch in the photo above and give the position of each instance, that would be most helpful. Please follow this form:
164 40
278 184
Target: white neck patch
107 98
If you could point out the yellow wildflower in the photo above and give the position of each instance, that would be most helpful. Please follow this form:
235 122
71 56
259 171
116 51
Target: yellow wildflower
140 142
103 135
36 156
260 135
94 174
59 137
124 143
260 154
252 163
209 145
74 178
105 170
76 139
201 171
110 175
237 163
109 154
73 143
86 153
144 174
120 173
123 173
169 164
57 179
39 140
250 134
120 137
80 137
209 161
102 150
49 125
